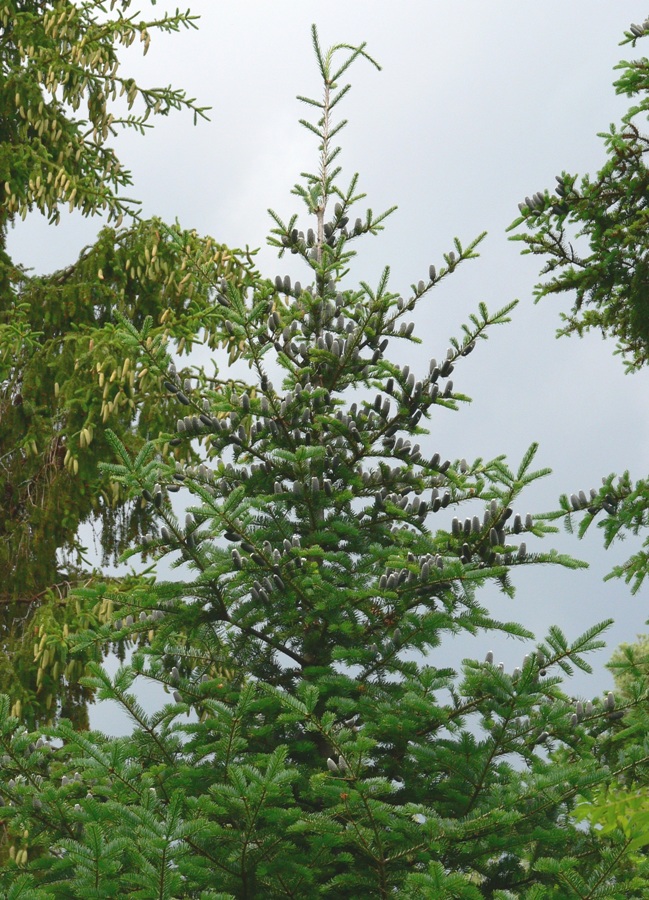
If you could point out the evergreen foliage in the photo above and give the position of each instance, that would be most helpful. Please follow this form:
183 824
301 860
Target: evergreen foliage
71 380
64 95
592 232
58 396
311 747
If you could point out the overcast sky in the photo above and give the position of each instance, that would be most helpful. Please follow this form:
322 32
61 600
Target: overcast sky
477 105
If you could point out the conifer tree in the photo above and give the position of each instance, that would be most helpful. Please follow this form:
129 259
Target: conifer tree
592 233
64 95
311 747
591 230
61 392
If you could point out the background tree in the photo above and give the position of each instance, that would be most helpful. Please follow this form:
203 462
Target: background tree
619 806
63 96
629 664
592 232
324 753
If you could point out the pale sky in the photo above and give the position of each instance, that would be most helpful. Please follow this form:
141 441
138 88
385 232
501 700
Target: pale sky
477 105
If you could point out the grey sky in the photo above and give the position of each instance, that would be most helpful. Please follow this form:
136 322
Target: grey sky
478 104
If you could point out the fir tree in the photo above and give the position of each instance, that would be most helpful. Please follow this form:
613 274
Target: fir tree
591 229
323 556
592 232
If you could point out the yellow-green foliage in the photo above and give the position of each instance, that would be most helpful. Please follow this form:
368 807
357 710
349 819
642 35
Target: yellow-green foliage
64 95
63 377
615 808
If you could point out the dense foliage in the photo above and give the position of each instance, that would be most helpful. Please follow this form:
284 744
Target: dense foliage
59 108
311 747
58 397
63 96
